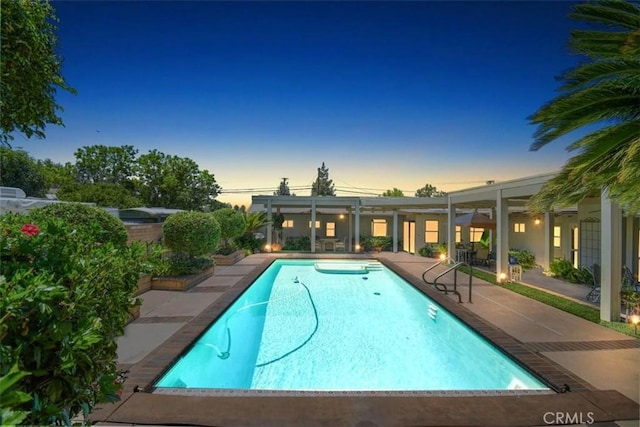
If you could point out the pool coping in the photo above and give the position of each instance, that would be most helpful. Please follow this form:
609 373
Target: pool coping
141 405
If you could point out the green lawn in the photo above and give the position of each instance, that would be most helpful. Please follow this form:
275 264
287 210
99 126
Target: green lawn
589 313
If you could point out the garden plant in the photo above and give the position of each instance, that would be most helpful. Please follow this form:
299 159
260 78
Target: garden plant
65 295
189 236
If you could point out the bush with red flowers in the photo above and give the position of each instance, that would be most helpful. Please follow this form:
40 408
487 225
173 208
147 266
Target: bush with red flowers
64 298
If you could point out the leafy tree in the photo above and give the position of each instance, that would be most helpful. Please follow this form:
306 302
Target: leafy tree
429 191
57 175
323 186
102 194
19 170
396 192
283 189
174 182
31 69
232 225
101 164
602 92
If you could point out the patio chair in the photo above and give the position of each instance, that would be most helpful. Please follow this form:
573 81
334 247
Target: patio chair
594 293
341 245
628 280
482 256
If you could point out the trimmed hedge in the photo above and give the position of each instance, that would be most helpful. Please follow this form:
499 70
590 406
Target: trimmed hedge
191 234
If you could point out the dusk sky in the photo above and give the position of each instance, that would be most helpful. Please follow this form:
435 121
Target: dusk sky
387 94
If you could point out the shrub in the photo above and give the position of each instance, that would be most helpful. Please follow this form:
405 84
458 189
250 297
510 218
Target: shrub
526 259
560 267
232 225
92 222
191 234
383 242
426 250
563 269
64 299
302 243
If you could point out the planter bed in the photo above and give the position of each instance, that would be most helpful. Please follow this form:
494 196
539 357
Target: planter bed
180 283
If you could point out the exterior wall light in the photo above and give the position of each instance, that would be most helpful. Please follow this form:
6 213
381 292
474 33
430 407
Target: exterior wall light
537 221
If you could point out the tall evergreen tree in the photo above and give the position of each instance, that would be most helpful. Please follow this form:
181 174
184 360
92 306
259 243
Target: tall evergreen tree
323 186
602 92
283 189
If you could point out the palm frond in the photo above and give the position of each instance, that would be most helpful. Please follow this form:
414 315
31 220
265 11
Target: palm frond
590 106
594 73
605 45
613 13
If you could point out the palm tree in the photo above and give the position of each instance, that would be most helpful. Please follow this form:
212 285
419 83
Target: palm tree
602 92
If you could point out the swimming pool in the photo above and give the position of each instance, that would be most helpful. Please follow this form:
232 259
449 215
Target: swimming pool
341 325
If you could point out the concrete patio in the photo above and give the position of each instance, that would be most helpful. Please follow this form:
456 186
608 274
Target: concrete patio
599 365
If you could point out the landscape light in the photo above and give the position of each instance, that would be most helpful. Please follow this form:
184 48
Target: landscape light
635 319
503 277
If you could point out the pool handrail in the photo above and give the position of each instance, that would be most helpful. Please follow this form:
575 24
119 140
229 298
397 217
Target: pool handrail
441 286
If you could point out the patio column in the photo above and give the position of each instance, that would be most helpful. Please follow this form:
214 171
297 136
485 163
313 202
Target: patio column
313 226
451 229
548 240
611 258
629 241
356 232
350 235
502 236
395 231
269 224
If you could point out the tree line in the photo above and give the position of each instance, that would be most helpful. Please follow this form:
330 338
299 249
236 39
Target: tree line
114 177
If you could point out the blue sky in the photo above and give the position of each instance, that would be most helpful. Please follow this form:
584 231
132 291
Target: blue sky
387 94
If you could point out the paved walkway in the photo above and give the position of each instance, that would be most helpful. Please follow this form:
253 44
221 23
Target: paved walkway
600 358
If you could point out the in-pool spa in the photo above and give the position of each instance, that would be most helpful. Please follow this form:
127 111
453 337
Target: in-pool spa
330 325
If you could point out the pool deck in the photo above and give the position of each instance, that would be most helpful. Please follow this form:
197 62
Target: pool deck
599 366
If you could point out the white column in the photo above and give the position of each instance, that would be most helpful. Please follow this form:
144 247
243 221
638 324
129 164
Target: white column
611 258
451 229
548 240
356 232
629 242
350 231
502 235
313 226
269 224
395 232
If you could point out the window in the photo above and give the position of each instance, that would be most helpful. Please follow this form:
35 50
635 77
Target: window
330 229
458 233
431 231
317 224
556 236
379 227
518 227
288 223
475 234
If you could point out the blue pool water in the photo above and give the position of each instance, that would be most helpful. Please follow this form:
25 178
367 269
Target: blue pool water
343 325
